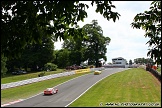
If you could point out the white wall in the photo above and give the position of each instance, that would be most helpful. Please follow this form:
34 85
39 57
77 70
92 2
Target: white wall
118 61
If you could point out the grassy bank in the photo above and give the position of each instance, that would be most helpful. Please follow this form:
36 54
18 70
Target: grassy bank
133 85
159 69
14 78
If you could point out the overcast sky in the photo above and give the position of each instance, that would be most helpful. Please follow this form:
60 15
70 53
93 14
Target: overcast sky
125 42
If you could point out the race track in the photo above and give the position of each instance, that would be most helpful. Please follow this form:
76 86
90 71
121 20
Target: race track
68 91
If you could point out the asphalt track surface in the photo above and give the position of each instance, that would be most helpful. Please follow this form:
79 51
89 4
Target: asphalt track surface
68 92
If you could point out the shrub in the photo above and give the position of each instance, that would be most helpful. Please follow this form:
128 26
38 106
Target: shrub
41 74
50 67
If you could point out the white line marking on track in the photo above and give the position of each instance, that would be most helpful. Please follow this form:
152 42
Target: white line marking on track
88 89
19 100
36 94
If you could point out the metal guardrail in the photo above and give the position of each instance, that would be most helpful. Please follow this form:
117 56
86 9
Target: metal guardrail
32 80
154 72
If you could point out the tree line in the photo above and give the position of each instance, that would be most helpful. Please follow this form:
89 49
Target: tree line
142 61
26 27
74 51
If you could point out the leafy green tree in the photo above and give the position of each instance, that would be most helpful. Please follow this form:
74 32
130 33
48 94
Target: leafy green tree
76 48
3 65
14 64
92 48
75 57
63 58
150 21
56 53
24 22
143 61
130 62
96 43
34 56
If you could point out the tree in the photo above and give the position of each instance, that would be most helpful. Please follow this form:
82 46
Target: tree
63 58
144 61
77 50
91 48
130 62
3 66
34 56
150 21
95 43
24 22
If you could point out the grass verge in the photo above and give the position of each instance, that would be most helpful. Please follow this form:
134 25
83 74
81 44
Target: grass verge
133 85
159 69
26 91
14 78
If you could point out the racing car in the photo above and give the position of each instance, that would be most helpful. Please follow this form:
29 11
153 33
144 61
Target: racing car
50 91
97 72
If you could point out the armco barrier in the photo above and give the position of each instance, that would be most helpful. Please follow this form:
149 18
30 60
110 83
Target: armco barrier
156 74
82 70
152 71
32 80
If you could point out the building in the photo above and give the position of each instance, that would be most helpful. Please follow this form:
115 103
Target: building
119 62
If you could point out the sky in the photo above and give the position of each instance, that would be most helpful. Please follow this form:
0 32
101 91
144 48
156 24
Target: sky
125 41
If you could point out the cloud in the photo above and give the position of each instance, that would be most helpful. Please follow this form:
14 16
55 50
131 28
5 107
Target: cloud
125 42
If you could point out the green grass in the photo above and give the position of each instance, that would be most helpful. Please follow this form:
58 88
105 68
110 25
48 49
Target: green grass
159 69
14 78
25 91
133 85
